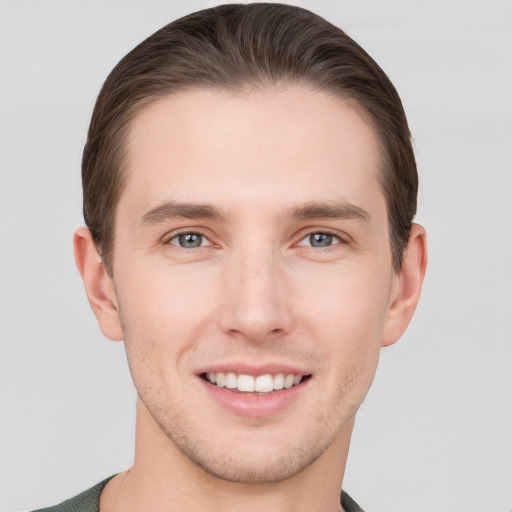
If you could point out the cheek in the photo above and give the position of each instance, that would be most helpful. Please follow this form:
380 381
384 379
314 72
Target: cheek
350 305
166 307
344 314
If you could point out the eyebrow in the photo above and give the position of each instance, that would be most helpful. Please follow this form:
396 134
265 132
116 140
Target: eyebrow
307 211
177 210
331 210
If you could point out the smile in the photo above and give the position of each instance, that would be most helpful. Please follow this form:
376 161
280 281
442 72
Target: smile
253 384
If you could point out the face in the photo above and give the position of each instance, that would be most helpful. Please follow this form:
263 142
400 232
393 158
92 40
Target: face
252 273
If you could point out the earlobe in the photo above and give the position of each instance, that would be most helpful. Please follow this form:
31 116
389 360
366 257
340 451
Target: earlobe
409 282
99 286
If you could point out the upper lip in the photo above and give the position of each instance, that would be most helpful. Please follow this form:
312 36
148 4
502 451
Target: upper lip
244 368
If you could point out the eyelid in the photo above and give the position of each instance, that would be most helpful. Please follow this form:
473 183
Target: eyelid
184 231
341 236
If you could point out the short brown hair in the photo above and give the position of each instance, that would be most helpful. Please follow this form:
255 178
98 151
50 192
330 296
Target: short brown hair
234 47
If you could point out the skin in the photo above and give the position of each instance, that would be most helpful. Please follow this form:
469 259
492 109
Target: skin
256 292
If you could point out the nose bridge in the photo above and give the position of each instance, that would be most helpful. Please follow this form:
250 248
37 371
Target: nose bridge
256 304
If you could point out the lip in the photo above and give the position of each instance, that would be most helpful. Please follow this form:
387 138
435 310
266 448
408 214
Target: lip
254 405
254 370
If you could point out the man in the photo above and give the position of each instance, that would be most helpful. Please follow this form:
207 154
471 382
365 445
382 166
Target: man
249 190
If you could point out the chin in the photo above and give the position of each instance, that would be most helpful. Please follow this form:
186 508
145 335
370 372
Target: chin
264 468
249 456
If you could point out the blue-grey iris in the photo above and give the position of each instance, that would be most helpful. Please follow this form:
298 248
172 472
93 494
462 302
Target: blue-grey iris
190 240
320 239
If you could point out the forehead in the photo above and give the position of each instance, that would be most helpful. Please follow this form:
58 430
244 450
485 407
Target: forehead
216 146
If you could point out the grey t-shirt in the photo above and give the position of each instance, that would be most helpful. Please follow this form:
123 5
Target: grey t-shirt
89 501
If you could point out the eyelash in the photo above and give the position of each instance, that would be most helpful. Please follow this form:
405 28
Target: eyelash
340 240
337 236
176 236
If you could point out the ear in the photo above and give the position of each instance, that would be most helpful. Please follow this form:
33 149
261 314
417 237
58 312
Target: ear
98 285
407 286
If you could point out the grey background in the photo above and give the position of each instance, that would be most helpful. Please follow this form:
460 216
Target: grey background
435 433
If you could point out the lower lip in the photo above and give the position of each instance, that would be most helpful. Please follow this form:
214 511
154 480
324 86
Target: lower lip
254 405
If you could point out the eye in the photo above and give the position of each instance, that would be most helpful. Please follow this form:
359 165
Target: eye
319 240
189 240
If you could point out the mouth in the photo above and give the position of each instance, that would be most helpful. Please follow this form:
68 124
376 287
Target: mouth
254 384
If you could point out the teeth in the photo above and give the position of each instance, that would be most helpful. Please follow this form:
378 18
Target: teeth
231 380
220 379
249 384
279 381
245 383
288 381
264 384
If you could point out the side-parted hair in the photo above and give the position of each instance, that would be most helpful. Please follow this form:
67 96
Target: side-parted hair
239 47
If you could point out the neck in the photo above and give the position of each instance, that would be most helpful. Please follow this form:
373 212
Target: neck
163 478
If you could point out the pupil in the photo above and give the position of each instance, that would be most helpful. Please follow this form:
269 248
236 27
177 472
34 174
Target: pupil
321 240
190 240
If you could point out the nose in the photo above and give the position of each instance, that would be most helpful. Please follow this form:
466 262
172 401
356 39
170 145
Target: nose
256 305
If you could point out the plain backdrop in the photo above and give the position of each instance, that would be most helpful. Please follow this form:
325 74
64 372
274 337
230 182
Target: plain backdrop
435 433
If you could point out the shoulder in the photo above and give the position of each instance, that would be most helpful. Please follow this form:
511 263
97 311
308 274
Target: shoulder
87 501
348 504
